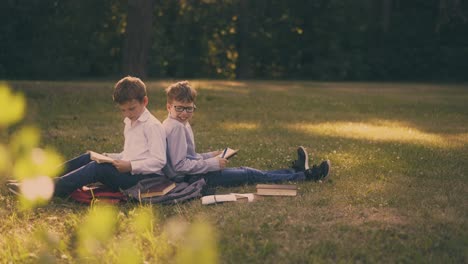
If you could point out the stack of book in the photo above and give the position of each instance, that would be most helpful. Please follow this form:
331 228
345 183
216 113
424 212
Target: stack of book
277 189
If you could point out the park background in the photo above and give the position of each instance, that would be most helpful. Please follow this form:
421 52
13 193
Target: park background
378 87
422 40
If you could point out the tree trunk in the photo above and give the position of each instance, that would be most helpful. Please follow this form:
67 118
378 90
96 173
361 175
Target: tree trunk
243 70
138 39
386 14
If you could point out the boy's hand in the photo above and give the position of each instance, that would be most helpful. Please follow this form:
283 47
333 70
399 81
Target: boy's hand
122 165
222 163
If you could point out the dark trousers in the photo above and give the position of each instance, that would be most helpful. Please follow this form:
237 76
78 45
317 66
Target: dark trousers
245 175
81 171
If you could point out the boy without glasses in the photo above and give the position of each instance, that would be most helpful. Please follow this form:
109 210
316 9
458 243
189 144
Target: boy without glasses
183 161
144 150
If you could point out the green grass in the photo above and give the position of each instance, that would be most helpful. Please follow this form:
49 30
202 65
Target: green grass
399 157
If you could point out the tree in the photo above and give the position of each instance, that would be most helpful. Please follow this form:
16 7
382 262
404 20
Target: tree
243 70
449 10
137 44
386 14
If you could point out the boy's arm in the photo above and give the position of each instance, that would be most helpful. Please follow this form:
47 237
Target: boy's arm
208 155
156 138
177 151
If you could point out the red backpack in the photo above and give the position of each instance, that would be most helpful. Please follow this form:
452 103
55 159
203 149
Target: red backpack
100 193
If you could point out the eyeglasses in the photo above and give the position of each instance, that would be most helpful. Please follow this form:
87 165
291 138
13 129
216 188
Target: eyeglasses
188 109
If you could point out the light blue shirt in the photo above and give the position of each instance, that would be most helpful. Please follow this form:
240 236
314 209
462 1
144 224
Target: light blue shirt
182 159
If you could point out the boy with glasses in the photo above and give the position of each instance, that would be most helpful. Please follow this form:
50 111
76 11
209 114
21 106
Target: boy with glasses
184 162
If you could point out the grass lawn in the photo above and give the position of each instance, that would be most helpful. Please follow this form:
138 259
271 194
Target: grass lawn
398 189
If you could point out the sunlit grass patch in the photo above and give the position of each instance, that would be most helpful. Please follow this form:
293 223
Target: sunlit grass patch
384 131
240 126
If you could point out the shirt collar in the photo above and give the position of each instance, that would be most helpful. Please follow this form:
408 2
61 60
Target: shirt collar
143 117
175 120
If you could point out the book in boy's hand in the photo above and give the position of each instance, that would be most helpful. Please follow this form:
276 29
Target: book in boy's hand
99 158
277 189
228 153
159 189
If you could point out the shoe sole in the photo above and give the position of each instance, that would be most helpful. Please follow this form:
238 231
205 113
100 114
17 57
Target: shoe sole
324 179
12 181
306 164
14 189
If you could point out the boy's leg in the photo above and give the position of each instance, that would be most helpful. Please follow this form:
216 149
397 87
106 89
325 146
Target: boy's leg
283 171
94 172
76 163
246 175
122 181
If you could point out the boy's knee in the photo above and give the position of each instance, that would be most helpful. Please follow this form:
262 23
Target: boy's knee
103 168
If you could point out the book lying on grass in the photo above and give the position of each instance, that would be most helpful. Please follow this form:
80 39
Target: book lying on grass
159 189
228 153
232 197
99 158
277 189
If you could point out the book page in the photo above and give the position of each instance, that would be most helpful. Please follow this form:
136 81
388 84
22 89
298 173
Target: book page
211 199
229 153
232 197
99 158
249 196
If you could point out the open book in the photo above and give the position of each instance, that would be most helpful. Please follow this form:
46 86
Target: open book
232 197
228 153
99 158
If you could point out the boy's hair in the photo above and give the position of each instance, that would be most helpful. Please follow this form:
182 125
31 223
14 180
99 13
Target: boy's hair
182 92
129 88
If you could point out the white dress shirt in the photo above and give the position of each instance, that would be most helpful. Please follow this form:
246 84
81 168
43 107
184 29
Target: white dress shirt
145 144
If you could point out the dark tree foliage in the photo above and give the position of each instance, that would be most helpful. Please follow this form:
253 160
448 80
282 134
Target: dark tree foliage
296 39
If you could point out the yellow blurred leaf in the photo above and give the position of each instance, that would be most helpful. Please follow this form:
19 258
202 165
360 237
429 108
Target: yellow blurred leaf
128 253
199 245
97 228
48 162
143 220
37 188
4 160
13 106
38 162
24 140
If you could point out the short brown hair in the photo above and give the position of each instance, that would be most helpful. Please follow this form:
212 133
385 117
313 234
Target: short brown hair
182 92
129 88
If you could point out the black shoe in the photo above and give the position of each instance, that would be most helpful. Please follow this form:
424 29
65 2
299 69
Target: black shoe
302 162
14 187
319 173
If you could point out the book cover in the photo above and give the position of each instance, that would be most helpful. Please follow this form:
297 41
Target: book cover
277 186
276 192
277 189
228 153
159 189
99 158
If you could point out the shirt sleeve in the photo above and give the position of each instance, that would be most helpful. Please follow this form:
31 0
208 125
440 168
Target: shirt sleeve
208 155
177 151
156 140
